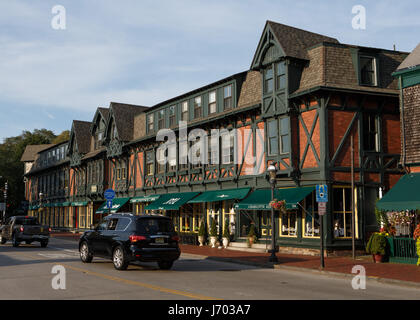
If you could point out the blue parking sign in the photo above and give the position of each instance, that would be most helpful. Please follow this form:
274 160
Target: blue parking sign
108 204
321 193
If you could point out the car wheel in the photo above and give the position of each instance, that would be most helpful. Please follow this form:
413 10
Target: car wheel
15 241
119 259
165 265
3 240
44 244
85 254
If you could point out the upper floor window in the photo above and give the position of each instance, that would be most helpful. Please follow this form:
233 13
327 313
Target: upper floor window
280 75
114 131
370 132
213 150
273 140
172 157
212 102
149 163
172 118
367 71
184 111
150 124
284 135
160 158
197 108
278 136
227 97
228 148
268 80
161 119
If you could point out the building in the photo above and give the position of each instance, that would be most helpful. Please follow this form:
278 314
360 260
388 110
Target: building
297 106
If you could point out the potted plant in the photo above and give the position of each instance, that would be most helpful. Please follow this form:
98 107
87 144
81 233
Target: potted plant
202 233
416 236
377 246
226 234
252 237
213 233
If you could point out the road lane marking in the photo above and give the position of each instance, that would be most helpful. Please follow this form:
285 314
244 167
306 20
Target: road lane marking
142 284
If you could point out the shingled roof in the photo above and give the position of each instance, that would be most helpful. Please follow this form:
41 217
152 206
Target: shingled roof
413 59
31 151
294 41
82 135
124 118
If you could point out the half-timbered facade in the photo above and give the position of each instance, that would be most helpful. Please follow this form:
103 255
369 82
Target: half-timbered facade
298 106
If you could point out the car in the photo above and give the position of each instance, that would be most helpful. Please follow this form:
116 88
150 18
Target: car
125 238
24 228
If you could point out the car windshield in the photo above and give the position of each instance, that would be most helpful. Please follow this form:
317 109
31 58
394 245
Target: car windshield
153 225
27 221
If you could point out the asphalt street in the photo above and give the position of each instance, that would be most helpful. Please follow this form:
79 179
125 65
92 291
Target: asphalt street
26 273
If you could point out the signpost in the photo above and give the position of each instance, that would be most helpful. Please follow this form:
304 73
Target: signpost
322 199
109 195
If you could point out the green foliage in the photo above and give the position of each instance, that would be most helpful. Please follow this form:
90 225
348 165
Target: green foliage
381 217
213 230
202 230
62 137
376 244
418 251
226 233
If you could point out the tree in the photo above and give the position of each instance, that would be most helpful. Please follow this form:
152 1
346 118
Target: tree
11 168
62 137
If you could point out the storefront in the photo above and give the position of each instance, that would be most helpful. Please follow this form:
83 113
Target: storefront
139 203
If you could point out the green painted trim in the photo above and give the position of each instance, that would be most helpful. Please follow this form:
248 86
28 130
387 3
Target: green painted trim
405 71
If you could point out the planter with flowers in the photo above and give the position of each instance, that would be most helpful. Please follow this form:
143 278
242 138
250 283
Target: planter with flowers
416 236
376 246
278 205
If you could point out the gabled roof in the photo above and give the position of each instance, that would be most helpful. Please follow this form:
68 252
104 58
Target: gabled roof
413 59
81 132
31 151
124 114
294 41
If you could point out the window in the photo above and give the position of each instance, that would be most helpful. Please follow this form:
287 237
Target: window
370 132
172 157
196 153
150 125
160 159
273 142
288 224
184 111
227 97
284 135
212 102
172 119
161 119
310 218
342 212
149 163
123 170
213 150
197 108
280 75
122 224
268 80
367 71
228 147
183 155
114 131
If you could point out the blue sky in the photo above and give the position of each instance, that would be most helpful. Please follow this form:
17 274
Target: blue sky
144 52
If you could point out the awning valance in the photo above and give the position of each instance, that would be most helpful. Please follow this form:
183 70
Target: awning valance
171 201
117 203
149 198
79 203
404 195
221 195
260 199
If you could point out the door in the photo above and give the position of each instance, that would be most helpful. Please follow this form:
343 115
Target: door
96 237
109 236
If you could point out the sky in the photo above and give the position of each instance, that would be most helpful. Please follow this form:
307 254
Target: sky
145 52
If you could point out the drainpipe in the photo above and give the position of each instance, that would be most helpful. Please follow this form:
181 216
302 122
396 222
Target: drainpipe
402 120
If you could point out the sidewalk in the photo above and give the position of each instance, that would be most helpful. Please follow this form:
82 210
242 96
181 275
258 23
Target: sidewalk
384 272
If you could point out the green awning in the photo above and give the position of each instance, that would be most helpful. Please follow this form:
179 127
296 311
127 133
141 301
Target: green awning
221 195
171 201
35 207
117 203
260 199
79 203
404 195
150 198
66 204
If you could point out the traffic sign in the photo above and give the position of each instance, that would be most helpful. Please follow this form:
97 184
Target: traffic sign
108 204
322 208
321 193
109 194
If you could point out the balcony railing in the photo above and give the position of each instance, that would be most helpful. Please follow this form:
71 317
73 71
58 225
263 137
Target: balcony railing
402 250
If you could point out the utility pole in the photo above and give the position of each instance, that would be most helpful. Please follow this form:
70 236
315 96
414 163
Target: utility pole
352 202
5 201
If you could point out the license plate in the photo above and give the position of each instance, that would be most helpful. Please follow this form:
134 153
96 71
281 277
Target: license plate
160 240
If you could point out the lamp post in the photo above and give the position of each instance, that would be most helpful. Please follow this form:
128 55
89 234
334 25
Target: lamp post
41 195
272 172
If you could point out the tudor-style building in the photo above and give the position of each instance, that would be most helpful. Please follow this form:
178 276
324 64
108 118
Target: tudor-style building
303 98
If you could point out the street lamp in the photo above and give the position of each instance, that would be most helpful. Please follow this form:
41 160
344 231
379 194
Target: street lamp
272 173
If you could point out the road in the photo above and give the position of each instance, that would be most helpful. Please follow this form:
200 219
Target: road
26 273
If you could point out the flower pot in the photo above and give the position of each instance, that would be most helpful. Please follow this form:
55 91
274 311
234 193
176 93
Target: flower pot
213 241
201 240
225 242
377 258
250 241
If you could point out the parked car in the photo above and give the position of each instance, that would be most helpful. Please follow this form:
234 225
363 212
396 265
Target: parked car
24 228
125 238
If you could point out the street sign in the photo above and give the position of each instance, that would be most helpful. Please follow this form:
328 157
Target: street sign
322 208
108 204
321 193
109 194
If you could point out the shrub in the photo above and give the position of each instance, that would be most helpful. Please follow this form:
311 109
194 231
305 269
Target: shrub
202 229
376 244
226 233
213 230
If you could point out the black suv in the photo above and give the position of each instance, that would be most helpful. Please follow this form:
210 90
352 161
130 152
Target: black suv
126 238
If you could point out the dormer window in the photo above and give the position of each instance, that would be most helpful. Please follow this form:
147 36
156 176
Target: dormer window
227 97
184 111
268 80
280 75
367 66
197 108
150 125
212 102
161 119
172 118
